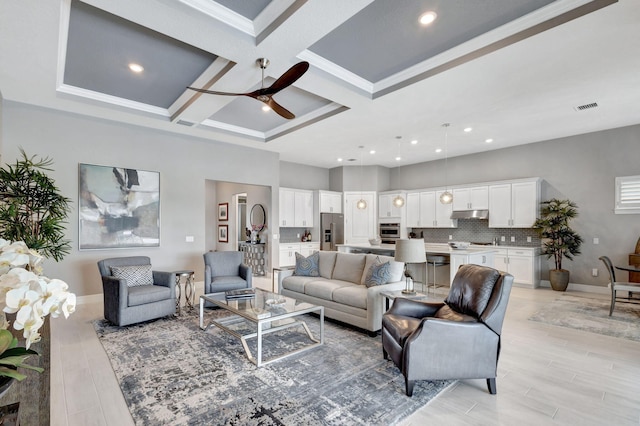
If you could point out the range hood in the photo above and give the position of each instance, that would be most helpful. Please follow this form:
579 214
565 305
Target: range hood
470 214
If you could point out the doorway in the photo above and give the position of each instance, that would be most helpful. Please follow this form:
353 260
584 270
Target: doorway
240 203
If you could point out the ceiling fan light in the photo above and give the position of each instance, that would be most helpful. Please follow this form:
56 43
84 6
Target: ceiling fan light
398 201
361 204
446 197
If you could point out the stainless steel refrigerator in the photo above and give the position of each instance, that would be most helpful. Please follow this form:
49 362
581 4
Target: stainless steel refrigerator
331 230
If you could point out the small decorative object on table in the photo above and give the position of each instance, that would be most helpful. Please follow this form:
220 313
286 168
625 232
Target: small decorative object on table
244 293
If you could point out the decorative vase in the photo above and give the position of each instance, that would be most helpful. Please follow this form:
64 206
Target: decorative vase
559 279
5 384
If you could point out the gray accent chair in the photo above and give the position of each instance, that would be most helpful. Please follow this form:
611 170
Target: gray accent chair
224 270
124 305
457 339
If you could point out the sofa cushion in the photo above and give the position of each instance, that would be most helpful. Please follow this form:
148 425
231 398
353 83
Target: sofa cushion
307 266
323 289
378 273
471 289
351 295
296 283
326 264
349 267
136 275
396 269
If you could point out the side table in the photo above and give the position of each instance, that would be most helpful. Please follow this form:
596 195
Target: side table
273 275
189 290
391 295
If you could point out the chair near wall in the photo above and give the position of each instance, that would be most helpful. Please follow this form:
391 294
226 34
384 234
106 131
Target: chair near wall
616 286
457 339
133 292
225 270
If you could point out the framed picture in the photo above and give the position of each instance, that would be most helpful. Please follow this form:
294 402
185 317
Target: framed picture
223 211
223 236
118 207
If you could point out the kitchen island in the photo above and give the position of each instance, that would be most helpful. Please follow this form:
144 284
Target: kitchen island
477 255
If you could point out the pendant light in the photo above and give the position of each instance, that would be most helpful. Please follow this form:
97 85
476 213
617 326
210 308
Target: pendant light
398 200
362 203
446 197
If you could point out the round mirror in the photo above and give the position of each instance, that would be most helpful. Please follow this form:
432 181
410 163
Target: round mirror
258 217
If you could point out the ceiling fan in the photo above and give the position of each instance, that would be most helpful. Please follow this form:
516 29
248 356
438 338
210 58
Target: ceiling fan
265 94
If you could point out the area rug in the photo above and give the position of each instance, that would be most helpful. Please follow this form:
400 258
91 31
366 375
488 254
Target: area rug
171 372
592 315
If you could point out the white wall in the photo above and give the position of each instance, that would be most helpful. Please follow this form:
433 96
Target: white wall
184 163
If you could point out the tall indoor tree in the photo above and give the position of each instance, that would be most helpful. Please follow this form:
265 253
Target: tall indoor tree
32 209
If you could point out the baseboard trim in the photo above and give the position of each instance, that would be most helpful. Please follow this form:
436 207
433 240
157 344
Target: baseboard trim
580 287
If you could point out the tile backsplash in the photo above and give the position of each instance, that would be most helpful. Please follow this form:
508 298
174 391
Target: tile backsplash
478 231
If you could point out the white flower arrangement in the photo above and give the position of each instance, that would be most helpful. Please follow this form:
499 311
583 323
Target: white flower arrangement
27 293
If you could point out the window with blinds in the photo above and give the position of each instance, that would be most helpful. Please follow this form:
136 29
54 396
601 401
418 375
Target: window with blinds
627 195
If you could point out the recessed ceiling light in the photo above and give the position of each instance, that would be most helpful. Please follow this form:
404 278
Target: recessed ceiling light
414 142
489 140
339 160
468 129
398 158
438 150
266 108
373 151
137 68
428 17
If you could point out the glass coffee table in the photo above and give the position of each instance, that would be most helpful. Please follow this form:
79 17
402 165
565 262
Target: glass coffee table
264 313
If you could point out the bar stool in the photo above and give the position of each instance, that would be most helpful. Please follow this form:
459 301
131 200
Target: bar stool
435 261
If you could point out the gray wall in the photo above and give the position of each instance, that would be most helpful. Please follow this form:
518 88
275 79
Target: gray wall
300 176
184 163
582 168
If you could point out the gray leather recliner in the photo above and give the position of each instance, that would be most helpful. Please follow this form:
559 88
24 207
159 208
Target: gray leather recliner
457 339
124 305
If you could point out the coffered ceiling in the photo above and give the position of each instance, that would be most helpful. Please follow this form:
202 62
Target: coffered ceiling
514 71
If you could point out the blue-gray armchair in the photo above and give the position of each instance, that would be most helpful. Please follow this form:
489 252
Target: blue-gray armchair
224 270
133 292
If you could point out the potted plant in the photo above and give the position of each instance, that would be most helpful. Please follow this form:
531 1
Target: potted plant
559 240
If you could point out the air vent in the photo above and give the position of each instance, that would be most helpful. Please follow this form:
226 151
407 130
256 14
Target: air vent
185 123
586 106
352 159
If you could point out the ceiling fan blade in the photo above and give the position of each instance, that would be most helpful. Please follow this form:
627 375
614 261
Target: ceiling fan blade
287 79
279 109
212 92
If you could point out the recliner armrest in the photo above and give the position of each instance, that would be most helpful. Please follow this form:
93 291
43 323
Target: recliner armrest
414 308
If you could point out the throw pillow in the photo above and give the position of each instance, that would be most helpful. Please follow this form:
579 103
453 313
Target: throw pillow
378 273
307 266
135 274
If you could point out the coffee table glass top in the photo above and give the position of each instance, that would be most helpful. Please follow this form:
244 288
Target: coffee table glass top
264 304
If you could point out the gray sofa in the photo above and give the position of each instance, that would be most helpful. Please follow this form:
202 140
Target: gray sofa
340 287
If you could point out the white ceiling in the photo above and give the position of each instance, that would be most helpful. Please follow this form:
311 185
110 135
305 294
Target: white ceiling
513 70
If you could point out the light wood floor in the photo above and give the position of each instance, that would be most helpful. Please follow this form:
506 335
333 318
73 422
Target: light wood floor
546 375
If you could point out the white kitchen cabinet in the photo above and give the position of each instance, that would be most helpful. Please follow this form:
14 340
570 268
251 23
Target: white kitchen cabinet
522 263
288 254
465 257
330 202
514 205
386 209
473 198
303 209
424 210
413 210
287 207
307 249
296 208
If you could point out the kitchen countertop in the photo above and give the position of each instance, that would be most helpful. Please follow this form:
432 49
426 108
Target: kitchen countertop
436 248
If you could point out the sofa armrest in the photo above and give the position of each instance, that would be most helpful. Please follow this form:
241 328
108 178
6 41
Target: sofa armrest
375 302
282 274
115 294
